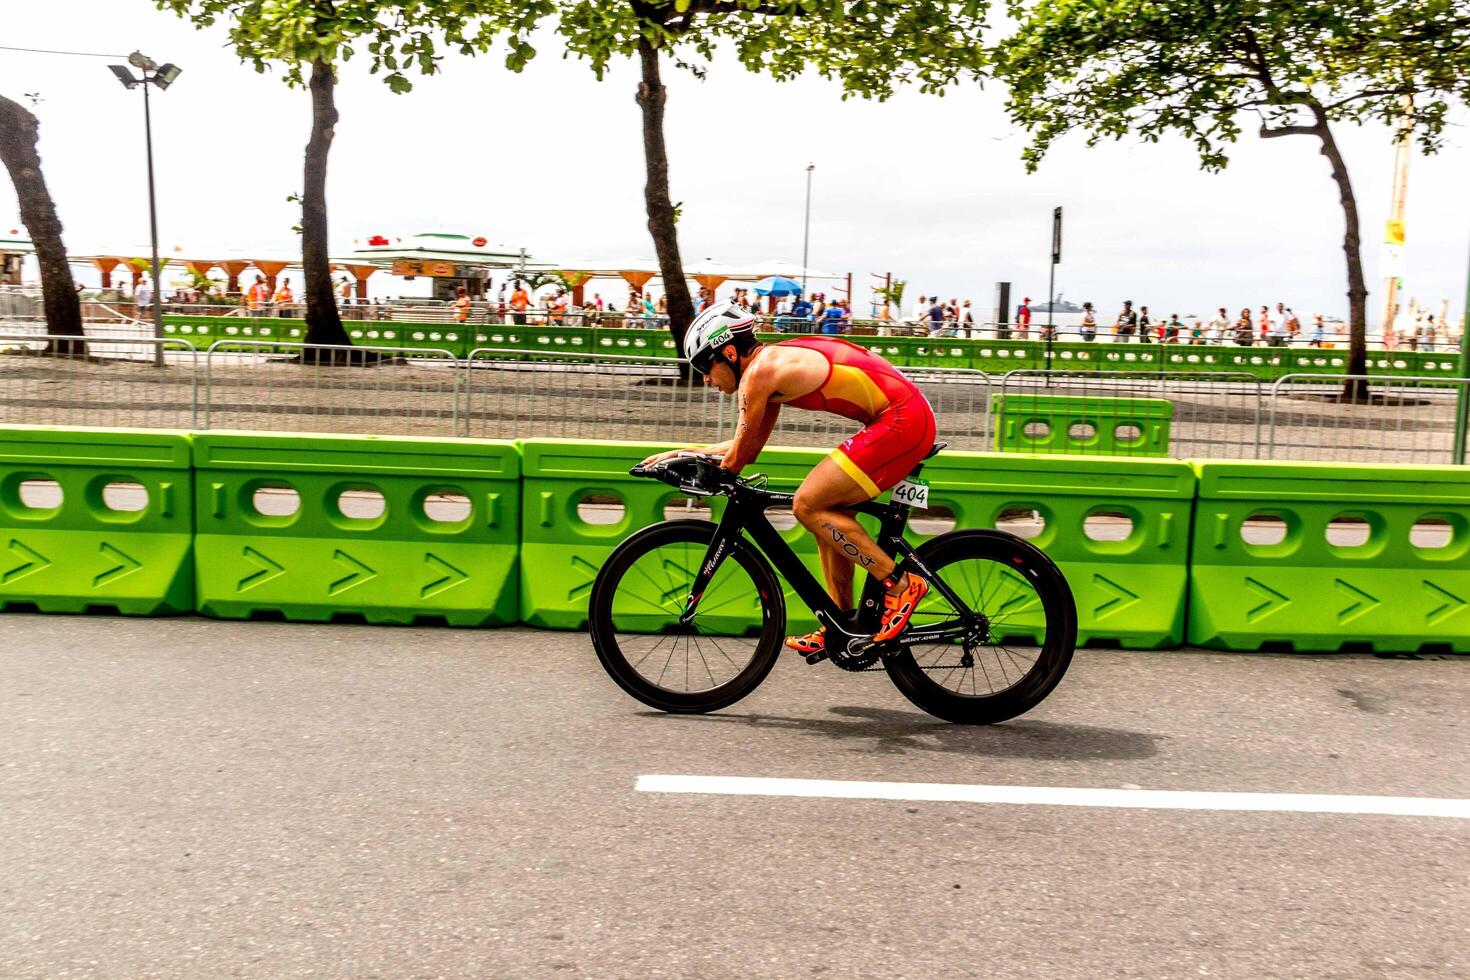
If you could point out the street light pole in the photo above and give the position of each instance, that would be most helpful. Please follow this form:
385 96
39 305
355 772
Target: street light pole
806 235
153 231
151 73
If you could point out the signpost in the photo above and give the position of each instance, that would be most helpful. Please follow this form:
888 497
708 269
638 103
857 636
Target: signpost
1051 285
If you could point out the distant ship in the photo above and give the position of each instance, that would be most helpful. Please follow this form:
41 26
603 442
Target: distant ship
1060 306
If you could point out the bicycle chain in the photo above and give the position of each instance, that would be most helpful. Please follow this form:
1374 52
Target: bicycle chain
879 666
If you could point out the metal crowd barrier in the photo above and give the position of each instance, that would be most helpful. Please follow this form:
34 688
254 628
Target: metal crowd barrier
1215 414
524 392
583 396
321 388
1402 420
99 381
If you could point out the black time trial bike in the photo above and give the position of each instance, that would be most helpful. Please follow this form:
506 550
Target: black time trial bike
689 616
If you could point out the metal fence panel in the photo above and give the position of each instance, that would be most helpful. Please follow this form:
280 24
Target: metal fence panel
960 399
102 381
277 386
1216 415
1402 420
589 396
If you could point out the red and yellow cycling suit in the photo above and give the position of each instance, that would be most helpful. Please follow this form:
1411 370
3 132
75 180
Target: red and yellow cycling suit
898 424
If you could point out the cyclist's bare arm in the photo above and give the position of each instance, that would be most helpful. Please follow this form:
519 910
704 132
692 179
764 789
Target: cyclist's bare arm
758 415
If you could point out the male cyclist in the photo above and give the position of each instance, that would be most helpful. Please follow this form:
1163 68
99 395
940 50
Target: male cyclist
828 374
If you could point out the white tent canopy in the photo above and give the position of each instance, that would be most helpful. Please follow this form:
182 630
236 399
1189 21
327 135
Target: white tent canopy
780 267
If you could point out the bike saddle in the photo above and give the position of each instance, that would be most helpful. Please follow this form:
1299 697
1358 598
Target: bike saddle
935 450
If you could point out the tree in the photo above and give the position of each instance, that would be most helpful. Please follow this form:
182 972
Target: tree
309 39
870 46
19 134
1114 68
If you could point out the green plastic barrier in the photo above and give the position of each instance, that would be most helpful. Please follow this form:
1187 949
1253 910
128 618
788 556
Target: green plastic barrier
578 503
204 331
95 520
942 352
498 337
431 338
553 342
1081 425
1397 591
1000 356
1118 528
1200 358
442 546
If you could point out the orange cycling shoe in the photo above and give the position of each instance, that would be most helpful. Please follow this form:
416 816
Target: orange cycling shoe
813 642
898 609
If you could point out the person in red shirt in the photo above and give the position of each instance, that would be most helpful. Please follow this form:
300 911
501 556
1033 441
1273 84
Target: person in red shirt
821 374
1023 318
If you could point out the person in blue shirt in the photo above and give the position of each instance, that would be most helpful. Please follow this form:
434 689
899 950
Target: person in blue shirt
801 310
834 318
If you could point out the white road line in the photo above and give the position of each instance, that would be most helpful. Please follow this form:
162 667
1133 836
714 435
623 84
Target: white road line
1144 799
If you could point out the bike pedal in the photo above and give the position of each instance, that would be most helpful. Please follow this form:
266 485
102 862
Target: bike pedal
816 658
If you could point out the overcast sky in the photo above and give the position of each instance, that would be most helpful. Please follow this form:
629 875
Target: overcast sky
931 189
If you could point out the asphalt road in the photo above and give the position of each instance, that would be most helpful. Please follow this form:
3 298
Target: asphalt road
184 798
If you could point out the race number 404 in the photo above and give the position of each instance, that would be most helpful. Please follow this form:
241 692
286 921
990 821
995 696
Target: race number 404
912 493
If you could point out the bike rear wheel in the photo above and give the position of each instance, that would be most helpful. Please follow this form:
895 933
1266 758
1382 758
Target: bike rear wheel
721 655
1026 639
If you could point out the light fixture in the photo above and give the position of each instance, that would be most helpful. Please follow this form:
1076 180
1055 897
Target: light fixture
141 61
124 76
164 76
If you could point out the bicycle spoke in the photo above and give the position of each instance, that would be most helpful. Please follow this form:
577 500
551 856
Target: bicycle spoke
1011 606
679 657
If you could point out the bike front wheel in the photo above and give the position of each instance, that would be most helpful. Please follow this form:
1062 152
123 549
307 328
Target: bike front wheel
716 659
1020 646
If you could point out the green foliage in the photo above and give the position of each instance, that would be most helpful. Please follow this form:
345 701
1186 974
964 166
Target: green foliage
870 46
892 295
1143 68
397 36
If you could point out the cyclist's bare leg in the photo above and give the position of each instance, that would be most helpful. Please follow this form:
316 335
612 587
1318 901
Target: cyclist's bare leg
836 571
820 506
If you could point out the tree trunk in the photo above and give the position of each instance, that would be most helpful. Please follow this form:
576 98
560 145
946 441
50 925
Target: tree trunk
651 97
1352 247
323 321
19 133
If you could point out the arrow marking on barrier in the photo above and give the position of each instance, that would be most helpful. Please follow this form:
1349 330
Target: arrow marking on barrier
1446 609
1274 600
586 568
1121 597
31 563
268 570
1362 605
126 565
448 578
360 573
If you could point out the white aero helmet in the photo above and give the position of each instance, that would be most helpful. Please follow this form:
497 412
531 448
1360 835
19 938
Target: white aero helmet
717 326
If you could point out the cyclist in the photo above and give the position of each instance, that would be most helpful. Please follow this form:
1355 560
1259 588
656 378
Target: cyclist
821 373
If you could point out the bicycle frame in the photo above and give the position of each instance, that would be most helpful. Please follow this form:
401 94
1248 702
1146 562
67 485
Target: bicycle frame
745 512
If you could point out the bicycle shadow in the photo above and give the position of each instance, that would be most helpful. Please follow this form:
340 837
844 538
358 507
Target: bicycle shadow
883 731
